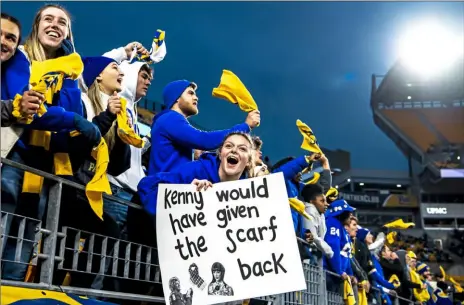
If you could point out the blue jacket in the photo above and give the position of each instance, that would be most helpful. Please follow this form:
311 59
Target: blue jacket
339 240
378 276
290 170
173 140
205 168
15 76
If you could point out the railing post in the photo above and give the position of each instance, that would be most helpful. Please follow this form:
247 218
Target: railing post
49 245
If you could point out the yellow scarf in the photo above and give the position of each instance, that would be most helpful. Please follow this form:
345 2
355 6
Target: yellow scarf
309 139
125 132
47 78
233 90
348 294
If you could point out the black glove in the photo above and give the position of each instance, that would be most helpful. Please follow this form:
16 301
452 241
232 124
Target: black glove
89 130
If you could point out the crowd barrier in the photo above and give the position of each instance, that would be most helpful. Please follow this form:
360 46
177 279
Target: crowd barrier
51 243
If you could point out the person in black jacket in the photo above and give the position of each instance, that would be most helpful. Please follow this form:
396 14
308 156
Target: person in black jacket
392 265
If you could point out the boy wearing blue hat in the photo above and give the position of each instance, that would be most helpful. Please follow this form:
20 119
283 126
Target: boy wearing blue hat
173 138
338 239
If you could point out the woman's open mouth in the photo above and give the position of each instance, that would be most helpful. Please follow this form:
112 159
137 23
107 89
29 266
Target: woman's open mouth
232 160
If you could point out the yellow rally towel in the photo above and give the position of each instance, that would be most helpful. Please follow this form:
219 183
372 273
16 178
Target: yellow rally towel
362 296
391 237
233 90
421 295
332 192
394 280
315 179
456 285
348 294
309 139
443 273
399 224
125 132
299 206
99 183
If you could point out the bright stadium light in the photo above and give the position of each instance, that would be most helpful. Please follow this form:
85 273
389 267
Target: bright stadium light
427 48
398 185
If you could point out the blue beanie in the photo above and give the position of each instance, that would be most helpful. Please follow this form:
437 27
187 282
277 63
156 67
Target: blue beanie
93 66
362 233
174 90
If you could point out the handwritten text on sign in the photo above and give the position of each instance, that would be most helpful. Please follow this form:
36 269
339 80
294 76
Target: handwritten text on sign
231 242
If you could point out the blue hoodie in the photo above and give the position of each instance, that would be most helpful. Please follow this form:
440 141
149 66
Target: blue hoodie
173 140
338 239
205 168
15 76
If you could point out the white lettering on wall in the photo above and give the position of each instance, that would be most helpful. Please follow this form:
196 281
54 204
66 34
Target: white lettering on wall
437 211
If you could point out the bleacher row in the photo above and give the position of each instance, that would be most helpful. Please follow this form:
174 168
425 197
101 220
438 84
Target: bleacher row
430 128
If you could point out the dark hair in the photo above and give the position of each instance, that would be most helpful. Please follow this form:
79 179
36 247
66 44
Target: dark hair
344 217
15 21
147 69
311 191
257 142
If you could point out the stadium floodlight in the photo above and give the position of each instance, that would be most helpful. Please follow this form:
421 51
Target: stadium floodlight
428 48
361 184
398 185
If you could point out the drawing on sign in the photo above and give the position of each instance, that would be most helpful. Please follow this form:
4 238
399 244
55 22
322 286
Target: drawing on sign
177 297
217 285
195 277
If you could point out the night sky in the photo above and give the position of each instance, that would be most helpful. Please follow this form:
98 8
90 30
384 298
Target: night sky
301 60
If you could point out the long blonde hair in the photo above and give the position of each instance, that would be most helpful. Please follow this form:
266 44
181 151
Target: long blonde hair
94 94
32 46
250 168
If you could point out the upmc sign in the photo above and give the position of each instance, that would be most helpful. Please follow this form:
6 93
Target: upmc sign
444 210
435 211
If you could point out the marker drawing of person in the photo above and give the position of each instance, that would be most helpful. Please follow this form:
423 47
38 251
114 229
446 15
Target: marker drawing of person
176 297
217 285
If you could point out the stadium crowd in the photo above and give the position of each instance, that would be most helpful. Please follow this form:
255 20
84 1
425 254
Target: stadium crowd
76 117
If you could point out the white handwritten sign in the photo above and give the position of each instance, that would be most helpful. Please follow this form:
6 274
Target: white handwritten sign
232 242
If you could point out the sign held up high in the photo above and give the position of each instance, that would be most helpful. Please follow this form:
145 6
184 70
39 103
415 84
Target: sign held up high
232 242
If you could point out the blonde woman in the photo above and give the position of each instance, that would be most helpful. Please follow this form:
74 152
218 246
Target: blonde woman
233 161
50 38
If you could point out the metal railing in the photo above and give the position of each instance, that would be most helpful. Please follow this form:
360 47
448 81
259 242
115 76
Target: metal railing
116 258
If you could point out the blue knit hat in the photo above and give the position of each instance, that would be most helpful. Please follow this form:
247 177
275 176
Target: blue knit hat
93 66
174 90
422 268
362 233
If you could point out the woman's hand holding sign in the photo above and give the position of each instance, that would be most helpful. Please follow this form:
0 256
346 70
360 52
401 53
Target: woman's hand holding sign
202 184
